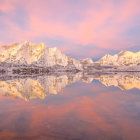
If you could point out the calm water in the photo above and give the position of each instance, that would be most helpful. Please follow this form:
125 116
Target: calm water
100 107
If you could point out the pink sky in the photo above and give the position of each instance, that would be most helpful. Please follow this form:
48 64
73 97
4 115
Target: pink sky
81 28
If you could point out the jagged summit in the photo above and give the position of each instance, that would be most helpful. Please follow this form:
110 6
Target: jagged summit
42 55
86 61
124 58
126 53
38 54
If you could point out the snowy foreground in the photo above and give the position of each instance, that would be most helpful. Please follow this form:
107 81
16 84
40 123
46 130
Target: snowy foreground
15 70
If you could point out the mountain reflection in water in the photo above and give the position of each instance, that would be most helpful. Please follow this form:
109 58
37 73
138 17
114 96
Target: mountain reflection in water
84 110
39 87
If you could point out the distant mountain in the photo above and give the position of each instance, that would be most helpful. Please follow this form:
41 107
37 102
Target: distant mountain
86 61
124 58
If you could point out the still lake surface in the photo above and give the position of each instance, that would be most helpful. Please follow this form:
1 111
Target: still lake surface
99 107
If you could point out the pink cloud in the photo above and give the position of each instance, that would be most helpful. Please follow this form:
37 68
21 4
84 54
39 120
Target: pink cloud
99 23
5 6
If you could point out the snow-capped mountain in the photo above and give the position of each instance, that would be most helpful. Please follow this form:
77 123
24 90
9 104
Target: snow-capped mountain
124 58
37 54
40 55
86 61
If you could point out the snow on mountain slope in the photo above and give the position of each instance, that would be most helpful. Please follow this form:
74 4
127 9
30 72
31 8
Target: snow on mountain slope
25 53
86 61
39 54
124 58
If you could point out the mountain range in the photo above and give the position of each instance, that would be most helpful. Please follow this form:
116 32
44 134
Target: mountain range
39 55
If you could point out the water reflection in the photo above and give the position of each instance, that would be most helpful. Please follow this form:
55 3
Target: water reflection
81 111
28 88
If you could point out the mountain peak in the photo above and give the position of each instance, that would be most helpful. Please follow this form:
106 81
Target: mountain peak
121 53
38 54
86 61
41 55
127 58
26 42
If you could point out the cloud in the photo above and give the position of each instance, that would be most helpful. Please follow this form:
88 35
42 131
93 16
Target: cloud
104 24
